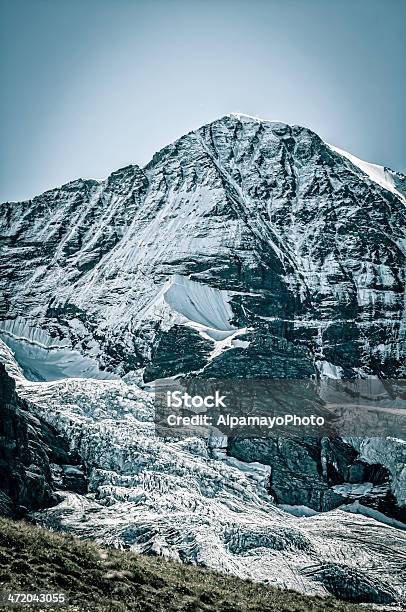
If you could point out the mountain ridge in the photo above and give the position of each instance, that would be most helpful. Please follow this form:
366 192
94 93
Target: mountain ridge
251 188
239 116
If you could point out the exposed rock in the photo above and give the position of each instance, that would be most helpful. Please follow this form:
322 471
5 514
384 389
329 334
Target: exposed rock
319 473
30 451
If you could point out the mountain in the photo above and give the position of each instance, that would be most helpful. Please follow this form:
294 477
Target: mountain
247 249
241 231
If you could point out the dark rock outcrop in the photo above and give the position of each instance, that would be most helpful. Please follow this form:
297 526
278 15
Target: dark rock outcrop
32 456
309 472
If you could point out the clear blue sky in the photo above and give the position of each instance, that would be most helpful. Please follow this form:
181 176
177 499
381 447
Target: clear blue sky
93 85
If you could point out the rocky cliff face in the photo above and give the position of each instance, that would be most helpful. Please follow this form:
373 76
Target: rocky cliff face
323 474
242 231
34 459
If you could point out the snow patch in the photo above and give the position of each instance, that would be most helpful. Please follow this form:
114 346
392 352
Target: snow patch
347 489
42 358
244 118
201 304
206 310
299 511
378 174
357 508
329 370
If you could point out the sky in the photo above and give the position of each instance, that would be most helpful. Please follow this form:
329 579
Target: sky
90 86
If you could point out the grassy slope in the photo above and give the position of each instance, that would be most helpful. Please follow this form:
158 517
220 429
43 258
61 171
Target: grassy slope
34 559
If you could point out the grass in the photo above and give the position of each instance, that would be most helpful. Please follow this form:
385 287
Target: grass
104 579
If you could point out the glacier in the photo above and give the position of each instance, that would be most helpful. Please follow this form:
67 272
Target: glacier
186 500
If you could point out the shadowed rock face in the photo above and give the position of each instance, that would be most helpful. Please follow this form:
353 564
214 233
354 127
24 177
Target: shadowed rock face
31 454
321 474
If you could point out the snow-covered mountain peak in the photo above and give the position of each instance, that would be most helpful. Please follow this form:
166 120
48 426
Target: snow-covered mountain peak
244 117
307 246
